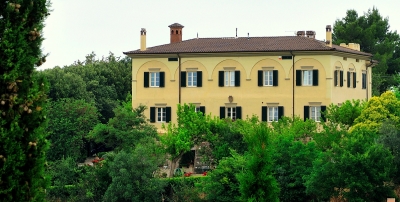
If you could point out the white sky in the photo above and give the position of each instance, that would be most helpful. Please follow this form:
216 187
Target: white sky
75 28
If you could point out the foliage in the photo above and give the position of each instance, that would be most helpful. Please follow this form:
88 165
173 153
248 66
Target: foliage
299 129
125 129
69 123
372 32
293 160
190 130
22 101
222 184
133 174
377 110
356 169
184 189
345 113
257 182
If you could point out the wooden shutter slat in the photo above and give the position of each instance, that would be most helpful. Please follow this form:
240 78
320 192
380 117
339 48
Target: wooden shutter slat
152 114
162 79
183 79
221 78
298 78
237 78
221 112
146 79
306 112
264 113
315 77
260 78
275 77
199 78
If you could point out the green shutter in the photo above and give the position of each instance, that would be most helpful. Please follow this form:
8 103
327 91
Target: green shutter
221 78
162 79
203 110
323 109
335 78
280 112
264 113
146 79
152 114
275 78
364 81
306 112
221 112
348 79
298 78
168 114
341 78
183 79
199 78
354 80
237 78
238 112
315 77
260 78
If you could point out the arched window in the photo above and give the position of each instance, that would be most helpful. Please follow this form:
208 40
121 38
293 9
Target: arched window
176 31
172 31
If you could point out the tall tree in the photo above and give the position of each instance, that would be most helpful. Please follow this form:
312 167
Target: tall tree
372 32
23 101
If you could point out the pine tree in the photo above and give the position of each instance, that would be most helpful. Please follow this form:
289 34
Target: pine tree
22 101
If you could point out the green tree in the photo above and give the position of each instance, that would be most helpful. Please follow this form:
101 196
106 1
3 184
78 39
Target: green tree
257 182
69 123
346 113
356 169
133 174
372 32
125 129
22 101
190 130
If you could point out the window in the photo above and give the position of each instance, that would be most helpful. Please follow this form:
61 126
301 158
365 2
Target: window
230 112
154 79
338 78
314 113
229 78
271 114
201 109
364 81
160 114
267 77
192 79
351 79
307 77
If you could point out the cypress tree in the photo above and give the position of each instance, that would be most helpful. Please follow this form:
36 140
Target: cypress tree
22 101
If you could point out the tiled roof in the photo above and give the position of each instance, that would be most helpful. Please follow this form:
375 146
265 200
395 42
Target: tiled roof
176 25
245 44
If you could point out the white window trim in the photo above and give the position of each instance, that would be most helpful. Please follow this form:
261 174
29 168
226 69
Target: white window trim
310 79
270 77
275 114
316 115
163 117
230 80
232 114
190 80
156 75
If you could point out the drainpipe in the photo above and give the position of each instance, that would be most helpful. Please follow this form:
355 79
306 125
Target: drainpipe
179 75
293 83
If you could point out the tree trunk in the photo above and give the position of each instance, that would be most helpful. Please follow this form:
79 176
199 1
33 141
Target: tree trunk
174 164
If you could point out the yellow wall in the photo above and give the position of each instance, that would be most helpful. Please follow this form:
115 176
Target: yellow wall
249 95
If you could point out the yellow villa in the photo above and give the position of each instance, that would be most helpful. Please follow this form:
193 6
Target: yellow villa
237 77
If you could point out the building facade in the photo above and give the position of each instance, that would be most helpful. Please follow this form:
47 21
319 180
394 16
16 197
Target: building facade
243 76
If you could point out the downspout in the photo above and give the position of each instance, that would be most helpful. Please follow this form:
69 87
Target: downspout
293 83
179 76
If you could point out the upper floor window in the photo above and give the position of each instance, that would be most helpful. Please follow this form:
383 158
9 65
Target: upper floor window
229 78
307 77
154 79
338 78
351 79
364 81
230 112
191 79
268 78
314 113
271 114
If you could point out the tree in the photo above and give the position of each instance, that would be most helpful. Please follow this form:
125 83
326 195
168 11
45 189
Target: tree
22 101
356 169
125 129
346 113
372 32
69 123
257 182
190 130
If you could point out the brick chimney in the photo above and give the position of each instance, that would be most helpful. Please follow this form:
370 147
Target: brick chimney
301 33
176 32
310 34
143 39
328 36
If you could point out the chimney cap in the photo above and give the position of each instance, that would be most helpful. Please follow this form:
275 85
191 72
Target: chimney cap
143 29
176 25
329 26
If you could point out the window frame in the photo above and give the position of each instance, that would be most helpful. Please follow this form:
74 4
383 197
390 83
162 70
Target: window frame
163 117
229 78
310 79
156 76
270 78
232 112
316 115
275 114
191 78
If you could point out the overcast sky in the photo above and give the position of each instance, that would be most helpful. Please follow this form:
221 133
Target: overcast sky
75 28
